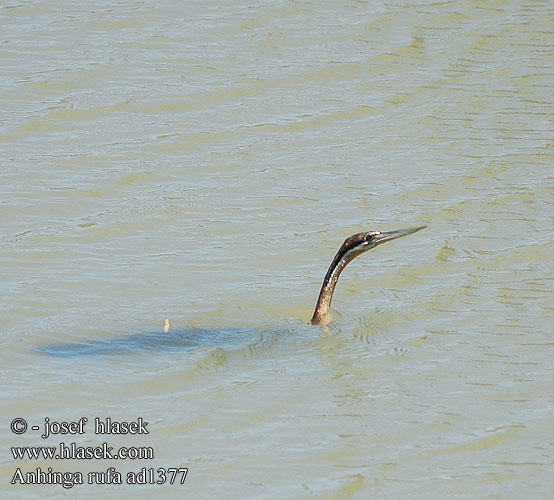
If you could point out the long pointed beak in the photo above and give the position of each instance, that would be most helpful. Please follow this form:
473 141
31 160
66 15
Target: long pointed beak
392 235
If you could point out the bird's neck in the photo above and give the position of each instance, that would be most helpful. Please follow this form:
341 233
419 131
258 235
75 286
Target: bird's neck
323 305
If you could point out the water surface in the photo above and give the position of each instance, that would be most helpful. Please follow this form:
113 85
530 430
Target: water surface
202 162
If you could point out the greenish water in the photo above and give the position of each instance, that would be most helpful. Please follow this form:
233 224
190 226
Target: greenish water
202 163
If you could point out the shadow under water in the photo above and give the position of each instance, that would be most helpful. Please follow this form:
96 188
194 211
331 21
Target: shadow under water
170 341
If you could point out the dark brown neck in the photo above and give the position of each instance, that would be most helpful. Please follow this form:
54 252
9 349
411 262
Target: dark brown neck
326 294
348 250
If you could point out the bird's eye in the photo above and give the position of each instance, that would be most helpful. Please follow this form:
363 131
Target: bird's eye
371 235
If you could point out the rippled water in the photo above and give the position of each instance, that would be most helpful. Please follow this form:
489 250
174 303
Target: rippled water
202 162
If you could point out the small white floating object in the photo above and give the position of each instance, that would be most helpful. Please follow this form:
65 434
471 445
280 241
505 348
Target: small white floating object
166 326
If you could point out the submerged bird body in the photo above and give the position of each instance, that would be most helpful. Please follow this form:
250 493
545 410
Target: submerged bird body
352 247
